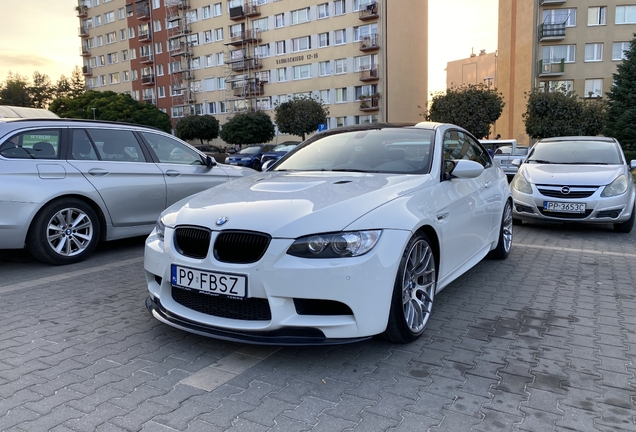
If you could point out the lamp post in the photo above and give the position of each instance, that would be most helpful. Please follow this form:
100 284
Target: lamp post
93 112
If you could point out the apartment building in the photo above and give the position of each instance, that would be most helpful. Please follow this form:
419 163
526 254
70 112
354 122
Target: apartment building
365 59
477 69
558 44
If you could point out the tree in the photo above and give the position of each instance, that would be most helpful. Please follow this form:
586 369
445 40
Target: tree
15 91
62 88
248 128
471 106
194 127
300 116
77 83
593 117
111 106
41 91
558 113
621 99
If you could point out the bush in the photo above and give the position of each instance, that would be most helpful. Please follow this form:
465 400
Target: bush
630 155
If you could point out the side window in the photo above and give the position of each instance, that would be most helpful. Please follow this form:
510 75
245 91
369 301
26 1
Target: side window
458 145
81 147
172 151
116 145
33 144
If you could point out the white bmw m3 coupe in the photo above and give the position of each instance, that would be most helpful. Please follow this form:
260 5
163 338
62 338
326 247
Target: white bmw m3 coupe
350 235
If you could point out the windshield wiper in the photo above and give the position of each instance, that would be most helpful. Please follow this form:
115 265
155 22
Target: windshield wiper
541 161
351 170
584 163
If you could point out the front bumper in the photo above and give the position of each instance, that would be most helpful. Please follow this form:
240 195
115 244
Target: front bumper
308 301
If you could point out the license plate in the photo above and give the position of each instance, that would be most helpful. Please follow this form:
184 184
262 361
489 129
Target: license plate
213 283
233 163
563 207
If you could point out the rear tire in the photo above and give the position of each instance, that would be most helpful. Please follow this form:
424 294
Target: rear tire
626 227
63 232
256 165
504 243
413 292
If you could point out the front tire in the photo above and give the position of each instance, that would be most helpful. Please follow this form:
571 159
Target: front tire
64 232
504 243
256 165
413 292
626 227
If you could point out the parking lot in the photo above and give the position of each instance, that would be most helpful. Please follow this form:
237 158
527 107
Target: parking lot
545 340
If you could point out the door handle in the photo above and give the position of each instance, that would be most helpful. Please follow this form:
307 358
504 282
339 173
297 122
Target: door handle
98 172
487 184
442 215
173 173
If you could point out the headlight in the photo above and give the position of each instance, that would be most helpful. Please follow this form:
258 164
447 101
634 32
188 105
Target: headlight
160 229
335 245
520 183
617 187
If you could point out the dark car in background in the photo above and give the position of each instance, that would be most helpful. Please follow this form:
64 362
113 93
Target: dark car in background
249 157
278 152
210 150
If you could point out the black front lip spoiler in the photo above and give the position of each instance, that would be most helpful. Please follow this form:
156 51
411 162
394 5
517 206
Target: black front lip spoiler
257 338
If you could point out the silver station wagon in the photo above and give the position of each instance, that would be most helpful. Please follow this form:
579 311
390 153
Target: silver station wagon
66 184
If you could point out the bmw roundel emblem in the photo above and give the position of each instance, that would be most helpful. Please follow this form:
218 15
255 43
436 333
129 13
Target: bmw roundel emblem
222 220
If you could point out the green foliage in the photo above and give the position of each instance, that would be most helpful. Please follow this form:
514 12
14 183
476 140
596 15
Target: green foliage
41 91
621 113
248 128
15 91
561 113
630 155
77 83
471 106
111 106
300 116
193 127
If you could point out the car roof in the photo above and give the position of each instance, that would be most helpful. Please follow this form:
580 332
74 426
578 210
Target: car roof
14 112
68 122
578 138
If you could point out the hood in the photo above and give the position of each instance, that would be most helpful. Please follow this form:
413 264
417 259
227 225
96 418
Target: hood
291 205
571 175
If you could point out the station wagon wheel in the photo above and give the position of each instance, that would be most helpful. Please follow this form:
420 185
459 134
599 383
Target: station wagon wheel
413 292
64 232
504 243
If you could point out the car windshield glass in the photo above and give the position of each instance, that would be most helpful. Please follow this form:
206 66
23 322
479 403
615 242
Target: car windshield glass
389 150
283 147
576 152
250 150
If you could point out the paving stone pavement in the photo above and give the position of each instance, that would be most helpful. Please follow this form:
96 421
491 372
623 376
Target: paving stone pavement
543 341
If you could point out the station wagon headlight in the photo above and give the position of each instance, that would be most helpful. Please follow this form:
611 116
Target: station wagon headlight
615 188
520 183
160 229
335 245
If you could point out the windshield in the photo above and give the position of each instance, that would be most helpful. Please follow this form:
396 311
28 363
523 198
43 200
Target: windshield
250 150
389 150
576 152
284 147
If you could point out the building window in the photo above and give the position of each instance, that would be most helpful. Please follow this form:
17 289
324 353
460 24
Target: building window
279 20
207 36
263 76
99 40
560 16
596 15
365 119
618 50
131 32
324 68
159 69
177 111
340 37
301 44
365 90
365 62
593 52
262 51
280 47
111 37
361 32
220 83
556 53
161 91
112 58
158 47
339 7
625 14
156 25
109 17
264 103
220 59
135 75
121 13
122 34
207 11
97 21
593 88
222 107
126 76
362 4
124 55
218 34
156 4
323 40
325 96
341 66
300 16
323 10
341 95
554 86
281 74
212 107
341 121
113 78
101 60
217 10
209 60
302 72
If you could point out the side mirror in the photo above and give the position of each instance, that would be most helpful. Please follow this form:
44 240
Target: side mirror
632 164
517 162
210 161
466 169
267 164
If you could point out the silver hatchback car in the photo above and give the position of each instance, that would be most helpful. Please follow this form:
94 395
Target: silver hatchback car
66 184
576 179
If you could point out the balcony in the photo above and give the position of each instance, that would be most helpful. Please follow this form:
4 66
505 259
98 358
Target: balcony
82 11
368 12
85 51
244 36
149 98
83 31
183 4
146 59
552 2
247 10
148 79
188 75
550 31
245 64
552 67
183 49
370 43
144 36
143 10
180 30
86 71
247 88
370 103
370 73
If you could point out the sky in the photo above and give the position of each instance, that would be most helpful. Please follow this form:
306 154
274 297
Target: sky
42 35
